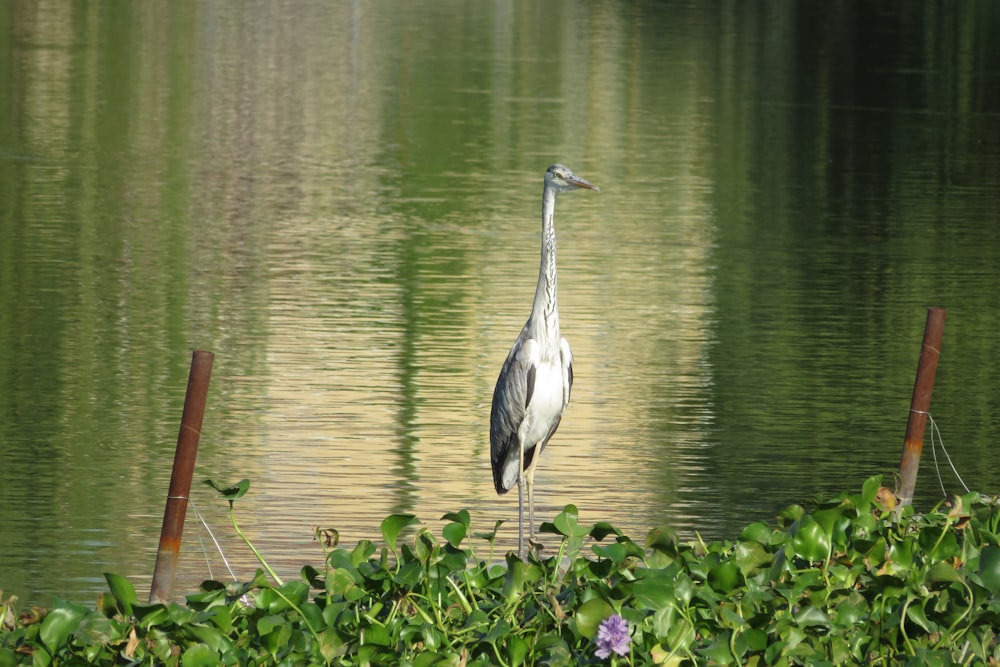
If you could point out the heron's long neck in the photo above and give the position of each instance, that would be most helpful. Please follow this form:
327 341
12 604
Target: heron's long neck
544 319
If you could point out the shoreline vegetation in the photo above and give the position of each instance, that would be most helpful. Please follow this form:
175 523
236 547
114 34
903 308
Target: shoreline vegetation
849 580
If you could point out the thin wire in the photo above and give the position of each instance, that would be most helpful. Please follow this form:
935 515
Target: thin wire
937 470
217 545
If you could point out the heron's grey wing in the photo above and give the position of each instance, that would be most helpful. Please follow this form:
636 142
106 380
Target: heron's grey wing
511 396
566 357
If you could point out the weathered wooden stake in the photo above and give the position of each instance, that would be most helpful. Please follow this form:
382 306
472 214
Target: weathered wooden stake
180 479
920 405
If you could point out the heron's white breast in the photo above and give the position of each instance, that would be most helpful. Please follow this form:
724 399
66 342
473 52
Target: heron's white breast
546 404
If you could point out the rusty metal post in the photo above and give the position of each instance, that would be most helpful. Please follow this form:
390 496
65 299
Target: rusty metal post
180 479
920 405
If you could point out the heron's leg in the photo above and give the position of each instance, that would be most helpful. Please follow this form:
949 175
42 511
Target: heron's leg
521 552
531 504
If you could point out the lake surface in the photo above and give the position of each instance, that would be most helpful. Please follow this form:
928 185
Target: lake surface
341 201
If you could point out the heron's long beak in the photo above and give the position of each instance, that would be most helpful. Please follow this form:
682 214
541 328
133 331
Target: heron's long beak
582 183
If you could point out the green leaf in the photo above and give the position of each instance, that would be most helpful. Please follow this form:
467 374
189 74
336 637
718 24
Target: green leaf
517 649
725 577
790 515
60 623
454 533
751 556
915 613
566 522
662 539
851 611
499 630
150 615
461 516
616 552
654 592
293 592
492 535
811 616
870 488
827 517
811 541
602 529
718 651
989 568
757 532
393 524
942 573
515 577
589 616
123 590
232 492
199 655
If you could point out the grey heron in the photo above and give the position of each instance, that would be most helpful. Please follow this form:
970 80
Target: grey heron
534 383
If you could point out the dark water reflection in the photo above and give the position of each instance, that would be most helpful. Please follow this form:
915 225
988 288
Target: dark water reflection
342 203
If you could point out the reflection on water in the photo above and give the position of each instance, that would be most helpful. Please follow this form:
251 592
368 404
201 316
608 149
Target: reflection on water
347 213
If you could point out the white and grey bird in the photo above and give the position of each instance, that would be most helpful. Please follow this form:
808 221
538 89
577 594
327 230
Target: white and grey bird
535 380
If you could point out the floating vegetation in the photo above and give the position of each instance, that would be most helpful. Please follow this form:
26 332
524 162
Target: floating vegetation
848 581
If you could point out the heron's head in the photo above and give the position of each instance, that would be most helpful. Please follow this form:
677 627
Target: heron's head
560 178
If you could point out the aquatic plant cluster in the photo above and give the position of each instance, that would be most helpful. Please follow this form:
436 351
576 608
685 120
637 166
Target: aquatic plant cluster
850 581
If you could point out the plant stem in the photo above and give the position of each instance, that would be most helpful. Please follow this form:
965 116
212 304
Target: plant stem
246 540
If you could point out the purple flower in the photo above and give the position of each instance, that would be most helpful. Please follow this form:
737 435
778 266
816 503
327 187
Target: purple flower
612 635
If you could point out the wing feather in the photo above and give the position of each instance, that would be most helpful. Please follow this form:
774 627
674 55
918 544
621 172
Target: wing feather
511 396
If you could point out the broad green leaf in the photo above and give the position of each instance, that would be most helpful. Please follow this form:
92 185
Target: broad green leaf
718 651
851 611
150 615
233 491
757 532
811 541
461 516
751 556
498 631
293 592
915 613
725 577
199 655
517 648
870 488
942 573
589 616
828 516
811 616
393 524
208 635
409 574
492 535
433 637
602 529
989 568
123 590
455 532
514 578
425 546
940 542
790 515
664 619
565 523
60 623
614 552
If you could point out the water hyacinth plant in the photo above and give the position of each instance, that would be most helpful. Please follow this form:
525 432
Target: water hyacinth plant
845 582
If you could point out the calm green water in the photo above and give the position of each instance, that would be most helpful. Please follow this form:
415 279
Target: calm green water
342 202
